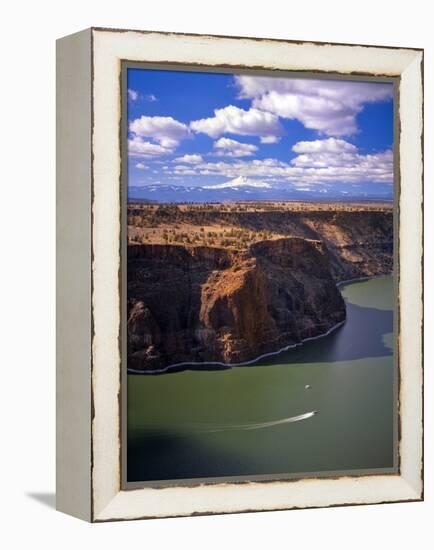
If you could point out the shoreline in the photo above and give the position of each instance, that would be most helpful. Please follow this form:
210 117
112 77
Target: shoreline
264 355
243 363
359 279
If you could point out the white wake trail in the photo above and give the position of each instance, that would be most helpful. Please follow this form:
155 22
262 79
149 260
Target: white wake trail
261 425
277 422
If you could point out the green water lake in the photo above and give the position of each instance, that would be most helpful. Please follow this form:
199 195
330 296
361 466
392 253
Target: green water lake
325 406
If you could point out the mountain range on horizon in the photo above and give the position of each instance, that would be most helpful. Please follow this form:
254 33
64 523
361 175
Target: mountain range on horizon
245 189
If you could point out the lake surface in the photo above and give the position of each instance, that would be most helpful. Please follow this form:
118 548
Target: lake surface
325 406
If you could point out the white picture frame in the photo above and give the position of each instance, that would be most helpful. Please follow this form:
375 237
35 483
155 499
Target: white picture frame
89 374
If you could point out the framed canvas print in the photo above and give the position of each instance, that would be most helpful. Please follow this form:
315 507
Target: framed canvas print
239 266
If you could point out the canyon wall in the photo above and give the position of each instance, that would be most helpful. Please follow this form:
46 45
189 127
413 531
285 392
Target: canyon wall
204 304
208 304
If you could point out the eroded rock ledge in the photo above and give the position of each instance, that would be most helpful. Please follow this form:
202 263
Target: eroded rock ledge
201 304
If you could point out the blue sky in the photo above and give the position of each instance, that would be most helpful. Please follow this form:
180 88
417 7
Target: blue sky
217 130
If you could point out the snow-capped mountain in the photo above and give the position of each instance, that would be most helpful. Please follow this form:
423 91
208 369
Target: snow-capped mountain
245 189
240 181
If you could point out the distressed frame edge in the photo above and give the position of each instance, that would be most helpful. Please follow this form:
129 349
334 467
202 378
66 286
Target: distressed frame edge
73 275
112 511
256 39
412 283
410 492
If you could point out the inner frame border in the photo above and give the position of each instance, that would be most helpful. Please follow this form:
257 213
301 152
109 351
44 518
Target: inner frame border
126 64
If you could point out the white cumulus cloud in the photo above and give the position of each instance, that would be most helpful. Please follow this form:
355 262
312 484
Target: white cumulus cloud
137 147
165 130
317 162
189 159
328 106
270 139
184 171
133 95
234 120
330 145
339 160
226 147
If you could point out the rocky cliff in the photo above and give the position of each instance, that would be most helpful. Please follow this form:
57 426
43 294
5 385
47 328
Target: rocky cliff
201 304
359 243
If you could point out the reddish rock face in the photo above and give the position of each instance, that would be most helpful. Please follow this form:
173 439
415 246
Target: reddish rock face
202 304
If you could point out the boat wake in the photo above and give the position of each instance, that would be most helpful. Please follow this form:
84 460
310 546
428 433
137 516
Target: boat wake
261 425
209 428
